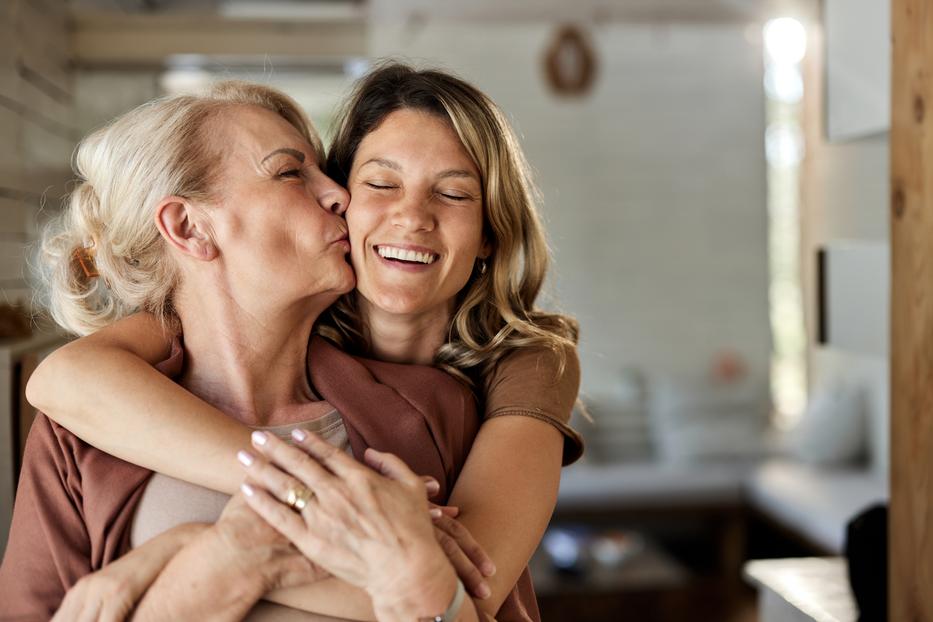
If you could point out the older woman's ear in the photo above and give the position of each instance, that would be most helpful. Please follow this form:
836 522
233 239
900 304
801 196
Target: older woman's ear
185 227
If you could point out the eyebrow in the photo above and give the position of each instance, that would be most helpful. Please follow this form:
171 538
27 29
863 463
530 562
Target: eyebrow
395 166
298 155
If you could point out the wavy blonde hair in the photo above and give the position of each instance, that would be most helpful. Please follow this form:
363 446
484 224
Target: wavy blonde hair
495 312
124 169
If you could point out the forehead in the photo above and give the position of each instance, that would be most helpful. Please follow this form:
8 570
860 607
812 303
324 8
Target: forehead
416 137
256 131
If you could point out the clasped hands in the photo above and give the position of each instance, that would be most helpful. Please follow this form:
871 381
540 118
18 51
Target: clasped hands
371 526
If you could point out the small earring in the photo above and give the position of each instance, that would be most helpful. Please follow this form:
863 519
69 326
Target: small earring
482 266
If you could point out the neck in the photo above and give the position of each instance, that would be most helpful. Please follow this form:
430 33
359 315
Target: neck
248 360
404 338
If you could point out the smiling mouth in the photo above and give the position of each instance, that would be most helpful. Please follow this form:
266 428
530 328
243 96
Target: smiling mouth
403 255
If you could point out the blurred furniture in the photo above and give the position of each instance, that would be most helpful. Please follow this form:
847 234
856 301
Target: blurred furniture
802 590
18 359
693 520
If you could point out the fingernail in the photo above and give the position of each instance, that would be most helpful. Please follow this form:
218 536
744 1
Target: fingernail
259 438
299 435
432 486
244 457
247 489
484 591
435 513
489 569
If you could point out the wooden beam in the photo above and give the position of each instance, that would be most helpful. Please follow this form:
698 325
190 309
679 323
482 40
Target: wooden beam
911 511
122 40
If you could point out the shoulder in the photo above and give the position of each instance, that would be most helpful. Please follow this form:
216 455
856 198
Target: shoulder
553 374
541 383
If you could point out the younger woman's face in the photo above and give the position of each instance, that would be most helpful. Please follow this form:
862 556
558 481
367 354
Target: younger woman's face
416 215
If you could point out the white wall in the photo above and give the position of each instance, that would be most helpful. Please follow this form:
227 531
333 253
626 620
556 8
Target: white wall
654 185
845 197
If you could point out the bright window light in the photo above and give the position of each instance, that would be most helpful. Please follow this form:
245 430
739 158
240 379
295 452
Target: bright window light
785 40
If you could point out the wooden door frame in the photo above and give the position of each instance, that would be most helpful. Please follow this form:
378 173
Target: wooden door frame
910 578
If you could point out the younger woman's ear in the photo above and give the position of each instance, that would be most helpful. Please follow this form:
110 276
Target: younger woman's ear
485 249
184 226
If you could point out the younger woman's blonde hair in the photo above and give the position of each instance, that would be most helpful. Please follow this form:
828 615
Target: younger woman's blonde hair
162 148
495 312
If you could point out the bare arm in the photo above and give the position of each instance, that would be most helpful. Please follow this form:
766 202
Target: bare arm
104 389
112 592
506 494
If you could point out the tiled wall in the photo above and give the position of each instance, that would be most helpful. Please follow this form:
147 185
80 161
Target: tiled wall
37 134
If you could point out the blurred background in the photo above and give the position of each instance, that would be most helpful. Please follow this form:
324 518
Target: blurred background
714 177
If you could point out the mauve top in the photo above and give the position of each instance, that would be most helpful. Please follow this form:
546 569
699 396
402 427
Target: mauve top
75 504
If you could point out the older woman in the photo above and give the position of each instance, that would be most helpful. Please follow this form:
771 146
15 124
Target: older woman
449 257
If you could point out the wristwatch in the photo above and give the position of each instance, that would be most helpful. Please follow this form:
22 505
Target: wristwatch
451 614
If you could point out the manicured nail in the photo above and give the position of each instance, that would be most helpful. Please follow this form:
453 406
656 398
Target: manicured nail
432 486
435 512
484 591
299 435
244 457
247 489
259 438
489 569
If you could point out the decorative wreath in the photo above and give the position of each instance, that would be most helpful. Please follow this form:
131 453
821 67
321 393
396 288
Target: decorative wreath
570 63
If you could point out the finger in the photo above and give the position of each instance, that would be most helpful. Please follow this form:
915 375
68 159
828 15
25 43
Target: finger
445 510
292 459
287 522
269 476
470 575
467 543
391 466
337 461
430 484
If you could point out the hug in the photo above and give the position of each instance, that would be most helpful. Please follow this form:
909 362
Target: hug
306 382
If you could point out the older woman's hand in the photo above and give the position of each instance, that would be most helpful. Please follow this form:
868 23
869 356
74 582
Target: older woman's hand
371 529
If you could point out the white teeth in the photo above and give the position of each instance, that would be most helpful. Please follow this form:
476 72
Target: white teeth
391 252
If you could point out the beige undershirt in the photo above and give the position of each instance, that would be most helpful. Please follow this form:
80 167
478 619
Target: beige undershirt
168 502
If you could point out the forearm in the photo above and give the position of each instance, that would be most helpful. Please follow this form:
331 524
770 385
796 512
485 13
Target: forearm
205 580
330 596
506 496
117 402
148 560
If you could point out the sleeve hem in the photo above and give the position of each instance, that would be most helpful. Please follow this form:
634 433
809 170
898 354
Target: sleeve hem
573 442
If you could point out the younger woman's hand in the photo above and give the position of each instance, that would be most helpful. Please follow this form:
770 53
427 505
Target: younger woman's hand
468 558
111 593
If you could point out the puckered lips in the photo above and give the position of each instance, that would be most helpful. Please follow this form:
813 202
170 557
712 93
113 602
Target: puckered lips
409 257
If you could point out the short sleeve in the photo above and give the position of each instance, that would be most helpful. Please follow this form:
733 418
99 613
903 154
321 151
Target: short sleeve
532 382
49 547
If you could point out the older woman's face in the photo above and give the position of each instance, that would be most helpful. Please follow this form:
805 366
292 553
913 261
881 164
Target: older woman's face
278 225
416 215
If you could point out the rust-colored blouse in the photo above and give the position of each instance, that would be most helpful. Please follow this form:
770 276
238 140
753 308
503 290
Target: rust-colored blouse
75 504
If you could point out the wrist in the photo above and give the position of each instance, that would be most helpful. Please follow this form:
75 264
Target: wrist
246 565
422 593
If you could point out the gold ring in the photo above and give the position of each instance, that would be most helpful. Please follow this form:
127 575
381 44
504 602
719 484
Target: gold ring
298 496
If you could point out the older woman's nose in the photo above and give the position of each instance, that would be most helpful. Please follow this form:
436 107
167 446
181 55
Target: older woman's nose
330 195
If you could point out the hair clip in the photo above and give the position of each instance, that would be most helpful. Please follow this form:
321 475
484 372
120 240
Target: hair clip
85 258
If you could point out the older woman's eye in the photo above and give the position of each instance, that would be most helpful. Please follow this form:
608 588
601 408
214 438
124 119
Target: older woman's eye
294 172
455 197
379 186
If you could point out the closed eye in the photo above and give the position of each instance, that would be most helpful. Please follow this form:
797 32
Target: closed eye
295 172
455 197
377 186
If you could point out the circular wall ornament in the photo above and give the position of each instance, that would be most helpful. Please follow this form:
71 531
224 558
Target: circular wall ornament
570 62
